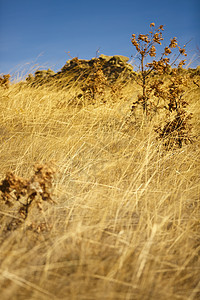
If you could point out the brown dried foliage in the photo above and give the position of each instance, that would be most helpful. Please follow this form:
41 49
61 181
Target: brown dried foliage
176 132
96 84
171 94
26 191
177 129
145 45
5 81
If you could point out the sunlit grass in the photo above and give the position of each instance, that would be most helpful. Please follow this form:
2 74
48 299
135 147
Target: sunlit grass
126 220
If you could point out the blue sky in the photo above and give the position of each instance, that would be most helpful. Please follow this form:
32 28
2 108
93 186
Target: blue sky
43 31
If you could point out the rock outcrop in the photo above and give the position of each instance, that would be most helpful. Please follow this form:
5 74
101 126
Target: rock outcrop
41 76
79 69
112 66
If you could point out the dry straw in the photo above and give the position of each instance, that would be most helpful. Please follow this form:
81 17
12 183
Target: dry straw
124 221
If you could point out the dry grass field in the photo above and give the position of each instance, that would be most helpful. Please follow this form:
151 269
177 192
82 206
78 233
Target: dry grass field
124 222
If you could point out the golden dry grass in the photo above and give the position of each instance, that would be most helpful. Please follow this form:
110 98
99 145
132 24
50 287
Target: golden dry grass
126 222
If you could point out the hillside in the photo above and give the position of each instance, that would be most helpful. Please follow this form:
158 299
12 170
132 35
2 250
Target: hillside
107 212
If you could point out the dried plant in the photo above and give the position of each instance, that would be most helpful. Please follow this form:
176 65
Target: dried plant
26 191
145 45
163 86
5 81
96 84
176 131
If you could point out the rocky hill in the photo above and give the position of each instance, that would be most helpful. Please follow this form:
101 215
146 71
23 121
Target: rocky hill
79 69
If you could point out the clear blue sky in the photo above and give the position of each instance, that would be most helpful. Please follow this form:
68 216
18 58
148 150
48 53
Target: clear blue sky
42 31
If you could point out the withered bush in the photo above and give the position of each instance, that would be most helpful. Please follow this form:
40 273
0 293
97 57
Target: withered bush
5 81
95 85
37 188
163 86
177 129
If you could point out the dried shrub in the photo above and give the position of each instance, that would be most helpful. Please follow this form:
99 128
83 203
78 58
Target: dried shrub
117 90
5 81
177 131
145 45
96 83
163 85
28 191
